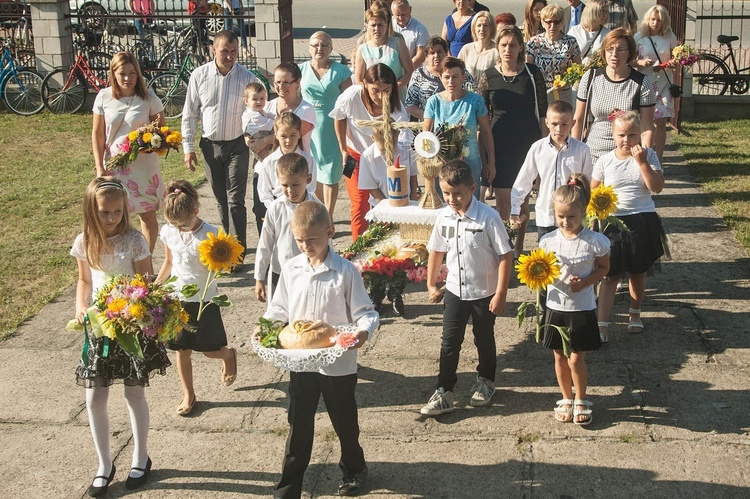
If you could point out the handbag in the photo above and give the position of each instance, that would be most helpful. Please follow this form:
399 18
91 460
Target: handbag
587 108
674 90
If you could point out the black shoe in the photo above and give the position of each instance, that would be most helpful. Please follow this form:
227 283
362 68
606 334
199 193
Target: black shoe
353 485
100 491
134 483
398 305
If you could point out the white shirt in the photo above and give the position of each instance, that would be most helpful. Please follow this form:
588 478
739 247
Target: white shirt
349 106
553 168
305 111
218 100
333 292
624 176
576 257
415 34
269 187
256 121
585 40
373 172
276 244
473 244
186 262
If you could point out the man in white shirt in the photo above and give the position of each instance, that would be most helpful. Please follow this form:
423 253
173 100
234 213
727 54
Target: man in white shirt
572 14
414 32
215 94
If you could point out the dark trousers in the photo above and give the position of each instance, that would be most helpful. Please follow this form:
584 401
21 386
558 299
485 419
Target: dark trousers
259 209
226 169
455 317
305 390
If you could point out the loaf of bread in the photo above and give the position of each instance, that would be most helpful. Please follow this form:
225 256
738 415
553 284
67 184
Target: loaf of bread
302 335
415 251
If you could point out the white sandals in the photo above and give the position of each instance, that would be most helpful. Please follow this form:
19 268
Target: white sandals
603 334
564 414
635 326
587 413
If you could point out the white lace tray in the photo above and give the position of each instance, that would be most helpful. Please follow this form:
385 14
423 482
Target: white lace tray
308 360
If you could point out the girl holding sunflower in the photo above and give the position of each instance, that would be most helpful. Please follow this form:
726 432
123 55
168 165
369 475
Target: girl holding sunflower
633 172
189 242
583 256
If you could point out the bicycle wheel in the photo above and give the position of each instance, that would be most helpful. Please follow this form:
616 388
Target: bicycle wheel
171 91
22 92
710 76
64 92
99 64
262 79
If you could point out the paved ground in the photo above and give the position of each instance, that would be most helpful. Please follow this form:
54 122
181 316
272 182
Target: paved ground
671 414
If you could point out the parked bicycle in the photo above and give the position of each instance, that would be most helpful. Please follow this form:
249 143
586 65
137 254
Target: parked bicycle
64 90
21 88
713 76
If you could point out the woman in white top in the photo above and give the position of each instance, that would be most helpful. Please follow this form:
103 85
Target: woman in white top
481 54
592 30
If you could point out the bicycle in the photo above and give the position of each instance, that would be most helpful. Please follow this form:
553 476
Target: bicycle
20 87
64 90
712 75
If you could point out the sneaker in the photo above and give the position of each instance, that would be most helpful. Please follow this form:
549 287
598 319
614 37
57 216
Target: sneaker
353 485
483 390
440 403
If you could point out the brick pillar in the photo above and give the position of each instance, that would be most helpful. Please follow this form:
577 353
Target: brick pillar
268 34
53 41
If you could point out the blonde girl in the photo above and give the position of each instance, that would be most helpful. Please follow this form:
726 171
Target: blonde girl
109 246
182 234
655 42
633 172
287 130
571 302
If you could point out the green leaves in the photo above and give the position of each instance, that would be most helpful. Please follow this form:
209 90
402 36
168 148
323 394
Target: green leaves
221 300
129 342
189 290
269 332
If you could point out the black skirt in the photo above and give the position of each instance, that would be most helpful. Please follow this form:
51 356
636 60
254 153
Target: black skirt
207 336
638 250
584 331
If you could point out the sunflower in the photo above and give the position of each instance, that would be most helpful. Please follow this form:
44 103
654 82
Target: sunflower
603 202
538 269
220 253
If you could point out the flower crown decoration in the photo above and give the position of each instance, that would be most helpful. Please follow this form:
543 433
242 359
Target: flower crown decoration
616 113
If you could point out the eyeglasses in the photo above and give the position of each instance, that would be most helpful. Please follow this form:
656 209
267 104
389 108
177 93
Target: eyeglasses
553 22
320 46
613 50
283 83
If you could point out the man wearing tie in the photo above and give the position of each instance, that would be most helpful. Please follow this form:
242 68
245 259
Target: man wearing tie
572 14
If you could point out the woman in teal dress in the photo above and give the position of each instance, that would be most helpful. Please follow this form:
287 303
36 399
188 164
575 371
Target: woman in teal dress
323 80
454 105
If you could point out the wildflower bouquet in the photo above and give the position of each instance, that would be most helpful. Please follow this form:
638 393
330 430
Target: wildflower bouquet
537 270
127 307
684 54
219 254
147 139
454 140
569 78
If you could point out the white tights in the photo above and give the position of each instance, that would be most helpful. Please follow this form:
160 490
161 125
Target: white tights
96 406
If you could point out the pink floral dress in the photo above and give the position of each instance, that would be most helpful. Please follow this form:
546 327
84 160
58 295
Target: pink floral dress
142 178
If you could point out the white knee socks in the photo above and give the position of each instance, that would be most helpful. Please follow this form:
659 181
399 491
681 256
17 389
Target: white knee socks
96 406
135 396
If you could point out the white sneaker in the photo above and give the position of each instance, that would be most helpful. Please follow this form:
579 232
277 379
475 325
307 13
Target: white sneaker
440 403
483 390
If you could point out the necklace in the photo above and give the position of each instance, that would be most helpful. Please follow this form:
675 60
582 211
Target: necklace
512 79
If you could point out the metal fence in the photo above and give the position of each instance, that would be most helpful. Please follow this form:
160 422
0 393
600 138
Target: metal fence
16 32
723 17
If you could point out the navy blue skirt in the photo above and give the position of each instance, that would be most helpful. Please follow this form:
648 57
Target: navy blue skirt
638 250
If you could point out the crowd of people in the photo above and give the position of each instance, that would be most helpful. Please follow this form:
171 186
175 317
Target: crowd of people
483 71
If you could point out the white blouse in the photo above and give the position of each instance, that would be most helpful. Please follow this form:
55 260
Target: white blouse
624 176
186 263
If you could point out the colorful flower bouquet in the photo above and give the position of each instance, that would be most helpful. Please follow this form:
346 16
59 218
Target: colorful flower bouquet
127 307
537 270
684 54
454 140
145 140
573 74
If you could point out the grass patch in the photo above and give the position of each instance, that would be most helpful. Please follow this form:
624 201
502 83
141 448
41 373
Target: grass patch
46 163
718 155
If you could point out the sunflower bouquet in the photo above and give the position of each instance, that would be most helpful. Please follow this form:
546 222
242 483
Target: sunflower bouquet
147 139
602 206
130 306
538 270
219 254
454 140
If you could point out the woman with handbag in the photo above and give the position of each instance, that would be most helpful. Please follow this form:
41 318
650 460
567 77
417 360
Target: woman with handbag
591 31
616 86
655 43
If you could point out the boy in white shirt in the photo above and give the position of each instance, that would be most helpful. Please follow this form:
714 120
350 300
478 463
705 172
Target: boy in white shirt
256 123
321 285
472 238
276 244
373 171
553 159
269 187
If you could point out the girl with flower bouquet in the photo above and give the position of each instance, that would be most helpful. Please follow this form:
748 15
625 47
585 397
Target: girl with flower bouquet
118 110
583 256
184 237
633 172
109 246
